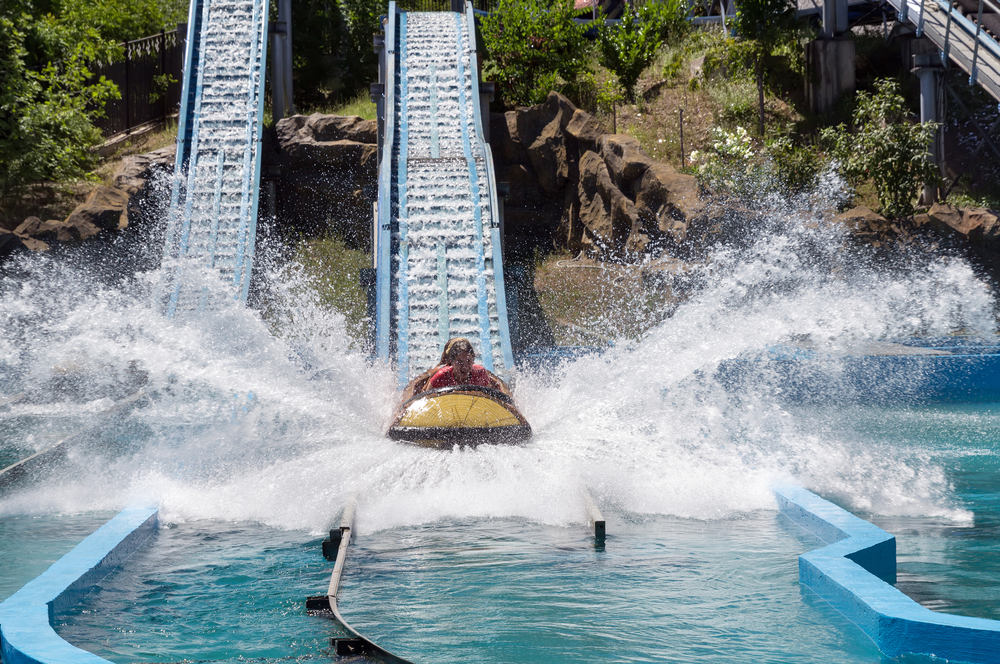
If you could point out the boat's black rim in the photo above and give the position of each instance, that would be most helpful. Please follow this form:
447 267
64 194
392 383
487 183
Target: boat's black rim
472 436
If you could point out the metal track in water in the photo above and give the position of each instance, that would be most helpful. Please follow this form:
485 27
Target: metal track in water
440 268
209 245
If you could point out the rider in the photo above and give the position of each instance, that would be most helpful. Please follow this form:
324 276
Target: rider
459 368
456 367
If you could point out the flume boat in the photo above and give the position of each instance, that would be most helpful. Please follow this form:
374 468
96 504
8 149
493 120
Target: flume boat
463 415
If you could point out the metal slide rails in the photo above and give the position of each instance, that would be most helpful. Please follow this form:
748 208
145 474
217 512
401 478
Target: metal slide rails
962 31
213 200
438 262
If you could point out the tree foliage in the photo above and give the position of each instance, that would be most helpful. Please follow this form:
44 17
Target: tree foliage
46 111
885 148
534 47
48 96
628 47
763 25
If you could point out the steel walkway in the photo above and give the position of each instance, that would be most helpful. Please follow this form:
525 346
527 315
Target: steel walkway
212 218
439 269
965 31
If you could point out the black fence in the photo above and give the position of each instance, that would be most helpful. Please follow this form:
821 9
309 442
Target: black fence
149 80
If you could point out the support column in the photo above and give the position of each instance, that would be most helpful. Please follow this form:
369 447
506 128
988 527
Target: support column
834 18
830 60
377 90
281 62
928 68
829 72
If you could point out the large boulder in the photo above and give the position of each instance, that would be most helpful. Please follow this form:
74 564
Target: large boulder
505 139
320 128
625 159
668 202
136 171
104 209
585 129
607 214
328 168
329 142
949 218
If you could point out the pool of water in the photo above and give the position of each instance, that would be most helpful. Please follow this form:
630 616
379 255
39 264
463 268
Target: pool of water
480 588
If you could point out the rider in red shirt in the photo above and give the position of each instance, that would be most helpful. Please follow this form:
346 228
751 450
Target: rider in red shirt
459 369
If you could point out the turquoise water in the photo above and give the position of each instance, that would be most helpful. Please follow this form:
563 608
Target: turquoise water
662 588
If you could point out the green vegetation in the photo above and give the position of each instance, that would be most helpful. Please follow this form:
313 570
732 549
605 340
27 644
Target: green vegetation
362 106
333 55
48 99
333 282
885 149
629 47
534 47
762 26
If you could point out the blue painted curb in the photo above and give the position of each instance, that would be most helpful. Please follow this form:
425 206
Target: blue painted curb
26 634
853 574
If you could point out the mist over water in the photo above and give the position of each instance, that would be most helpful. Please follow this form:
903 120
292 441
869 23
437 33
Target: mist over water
278 421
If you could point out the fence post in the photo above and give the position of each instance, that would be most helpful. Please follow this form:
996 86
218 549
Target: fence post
163 70
125 95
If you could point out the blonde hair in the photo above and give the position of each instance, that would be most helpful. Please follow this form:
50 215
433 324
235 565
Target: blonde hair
455 347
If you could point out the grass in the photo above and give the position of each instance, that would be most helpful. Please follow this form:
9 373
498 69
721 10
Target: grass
141 144
586 302
361 105
334 271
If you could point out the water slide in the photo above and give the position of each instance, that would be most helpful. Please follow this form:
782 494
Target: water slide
212 218
439 269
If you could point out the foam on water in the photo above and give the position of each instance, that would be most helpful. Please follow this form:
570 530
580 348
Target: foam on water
279 422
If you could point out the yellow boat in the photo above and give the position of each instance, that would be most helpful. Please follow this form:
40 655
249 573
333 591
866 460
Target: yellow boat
461 415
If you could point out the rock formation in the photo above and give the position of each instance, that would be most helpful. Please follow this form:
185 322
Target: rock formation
572 185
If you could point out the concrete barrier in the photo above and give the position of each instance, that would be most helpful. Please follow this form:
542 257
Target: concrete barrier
26 617
853 574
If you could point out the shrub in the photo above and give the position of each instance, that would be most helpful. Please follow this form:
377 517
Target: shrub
885 149
763 25
534 46
46 113
627 48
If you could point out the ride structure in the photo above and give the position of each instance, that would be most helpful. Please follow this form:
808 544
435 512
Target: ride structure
437 235
212 219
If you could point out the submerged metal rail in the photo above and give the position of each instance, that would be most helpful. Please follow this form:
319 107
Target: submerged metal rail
439 267
335 549
29 467
212 220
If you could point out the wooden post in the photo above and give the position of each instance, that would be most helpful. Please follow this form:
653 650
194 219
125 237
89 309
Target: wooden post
682 138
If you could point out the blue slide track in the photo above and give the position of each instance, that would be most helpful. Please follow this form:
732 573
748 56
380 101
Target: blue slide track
212 219
439 268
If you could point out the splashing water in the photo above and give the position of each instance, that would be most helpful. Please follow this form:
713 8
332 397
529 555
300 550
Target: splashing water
277 422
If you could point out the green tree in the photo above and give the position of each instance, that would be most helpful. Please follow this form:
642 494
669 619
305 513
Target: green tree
885 149
534 46
763 25
46 111
628 47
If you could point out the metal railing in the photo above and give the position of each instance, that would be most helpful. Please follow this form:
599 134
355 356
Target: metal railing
149 79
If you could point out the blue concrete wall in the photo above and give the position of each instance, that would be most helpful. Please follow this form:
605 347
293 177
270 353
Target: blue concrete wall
26 634
852 573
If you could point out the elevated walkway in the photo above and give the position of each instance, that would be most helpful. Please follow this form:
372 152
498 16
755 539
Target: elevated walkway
965 31
439 269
